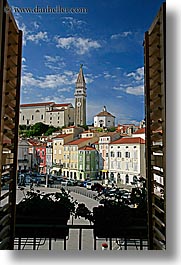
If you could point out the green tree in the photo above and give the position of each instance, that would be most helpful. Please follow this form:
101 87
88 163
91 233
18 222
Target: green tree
111 129
50 130
39 128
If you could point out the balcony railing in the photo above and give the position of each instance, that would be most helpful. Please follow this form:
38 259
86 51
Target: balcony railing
22 242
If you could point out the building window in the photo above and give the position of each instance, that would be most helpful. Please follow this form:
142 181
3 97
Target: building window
43 152
32 117
118 154
127 166
42 116
107 154
112 154
87 167
127 154
135 154
127 179
135 167
119 164
23 118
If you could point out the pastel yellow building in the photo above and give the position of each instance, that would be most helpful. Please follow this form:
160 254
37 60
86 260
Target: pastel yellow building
58 151
70 159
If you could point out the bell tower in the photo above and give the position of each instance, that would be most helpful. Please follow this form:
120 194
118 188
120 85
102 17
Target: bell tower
80 99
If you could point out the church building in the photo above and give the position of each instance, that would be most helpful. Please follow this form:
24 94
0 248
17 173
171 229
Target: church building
104 119
80 99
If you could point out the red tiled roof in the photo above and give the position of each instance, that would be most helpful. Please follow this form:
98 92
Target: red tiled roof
45 104
109 134
87 148
36 104
129 140
78 141
104 113
33 142
70 127
142 130
62 105
62 135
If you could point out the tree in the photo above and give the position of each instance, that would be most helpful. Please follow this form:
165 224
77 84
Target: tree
50 130
39 128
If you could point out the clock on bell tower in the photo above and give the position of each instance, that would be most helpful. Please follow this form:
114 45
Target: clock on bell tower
80 99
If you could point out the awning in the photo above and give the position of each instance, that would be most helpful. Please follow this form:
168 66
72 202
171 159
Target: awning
104 170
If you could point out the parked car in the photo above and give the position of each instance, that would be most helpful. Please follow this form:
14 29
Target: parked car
79 183
89 185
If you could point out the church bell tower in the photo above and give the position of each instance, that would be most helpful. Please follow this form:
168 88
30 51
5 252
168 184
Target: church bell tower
80 99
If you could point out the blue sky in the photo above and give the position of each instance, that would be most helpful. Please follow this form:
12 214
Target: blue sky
107 40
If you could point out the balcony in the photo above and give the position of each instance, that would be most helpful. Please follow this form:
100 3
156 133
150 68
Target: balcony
81 237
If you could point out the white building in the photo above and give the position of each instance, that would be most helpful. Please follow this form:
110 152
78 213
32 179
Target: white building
139 133
127 159
24 157
104 119
49 155
48 113
104 142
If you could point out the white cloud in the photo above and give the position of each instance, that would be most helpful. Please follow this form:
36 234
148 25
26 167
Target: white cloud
48 81
73 23
36 25
37 37
57 99
54 62
80 45
29 35
138 90
67 89
121 35
138 75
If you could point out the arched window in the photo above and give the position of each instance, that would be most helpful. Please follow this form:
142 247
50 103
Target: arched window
127 179
135 179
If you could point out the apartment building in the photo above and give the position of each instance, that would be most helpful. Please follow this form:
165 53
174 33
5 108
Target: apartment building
49 155
90 133
126 159
49 113
58 151
73 130
104 142
24 157
88 162
70 156
127 129
139 133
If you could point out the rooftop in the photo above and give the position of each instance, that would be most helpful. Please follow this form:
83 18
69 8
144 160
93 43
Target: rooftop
78 141
129 140
139 131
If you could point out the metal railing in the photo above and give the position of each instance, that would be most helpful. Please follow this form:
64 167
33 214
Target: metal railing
22 242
